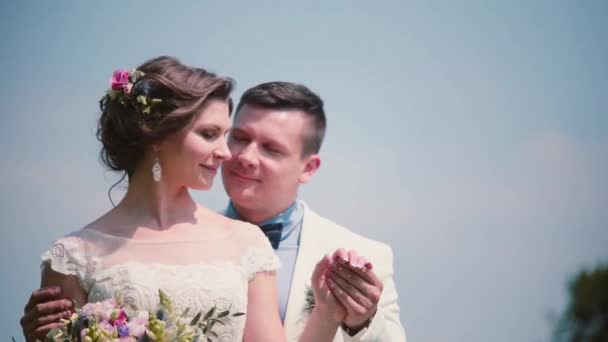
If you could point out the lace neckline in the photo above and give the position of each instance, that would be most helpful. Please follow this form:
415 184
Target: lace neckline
157 241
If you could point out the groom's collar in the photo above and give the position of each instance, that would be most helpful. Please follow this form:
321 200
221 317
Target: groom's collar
287 217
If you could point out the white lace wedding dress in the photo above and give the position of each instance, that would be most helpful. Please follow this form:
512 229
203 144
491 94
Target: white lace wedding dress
196 274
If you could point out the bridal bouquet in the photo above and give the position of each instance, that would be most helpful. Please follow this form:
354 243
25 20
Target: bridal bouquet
110 321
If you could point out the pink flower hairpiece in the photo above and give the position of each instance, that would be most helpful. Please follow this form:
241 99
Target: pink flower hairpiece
121 80
121 87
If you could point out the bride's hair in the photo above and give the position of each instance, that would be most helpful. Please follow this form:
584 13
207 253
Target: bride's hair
161 97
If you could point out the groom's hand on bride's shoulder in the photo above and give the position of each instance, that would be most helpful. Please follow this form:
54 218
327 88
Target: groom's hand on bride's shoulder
352 280
43 312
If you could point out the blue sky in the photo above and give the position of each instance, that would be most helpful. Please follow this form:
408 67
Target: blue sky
471 136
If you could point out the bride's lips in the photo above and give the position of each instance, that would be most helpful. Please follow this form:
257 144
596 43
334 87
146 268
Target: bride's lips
212 169
243 177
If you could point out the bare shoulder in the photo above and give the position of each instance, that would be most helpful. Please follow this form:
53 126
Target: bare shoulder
245 233
237 228
244 229
111 223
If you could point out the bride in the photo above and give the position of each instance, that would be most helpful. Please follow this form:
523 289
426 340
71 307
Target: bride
164 126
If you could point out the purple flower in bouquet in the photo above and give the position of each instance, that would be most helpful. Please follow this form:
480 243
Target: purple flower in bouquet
123 330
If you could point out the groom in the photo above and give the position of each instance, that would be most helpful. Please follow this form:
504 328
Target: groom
276 137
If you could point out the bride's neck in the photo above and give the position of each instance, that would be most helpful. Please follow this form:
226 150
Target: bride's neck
159 204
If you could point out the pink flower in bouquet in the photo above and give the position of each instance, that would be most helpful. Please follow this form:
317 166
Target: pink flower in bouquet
119 79
101 310
107 327
137 325
127 339
121 317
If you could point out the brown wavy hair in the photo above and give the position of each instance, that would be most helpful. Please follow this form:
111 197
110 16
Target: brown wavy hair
125 132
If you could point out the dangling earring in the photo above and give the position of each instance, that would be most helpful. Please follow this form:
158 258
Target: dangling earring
157 171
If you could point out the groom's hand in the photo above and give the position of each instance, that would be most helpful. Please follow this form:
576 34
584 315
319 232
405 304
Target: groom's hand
43 313
356 286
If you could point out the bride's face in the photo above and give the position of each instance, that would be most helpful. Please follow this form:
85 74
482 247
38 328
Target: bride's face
193 156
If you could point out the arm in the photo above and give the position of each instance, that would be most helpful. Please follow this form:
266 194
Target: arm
50 303
69 284
262 321
328 313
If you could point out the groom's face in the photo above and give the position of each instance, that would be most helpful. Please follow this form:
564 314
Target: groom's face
267 165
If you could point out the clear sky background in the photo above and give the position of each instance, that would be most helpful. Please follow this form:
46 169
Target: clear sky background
470 136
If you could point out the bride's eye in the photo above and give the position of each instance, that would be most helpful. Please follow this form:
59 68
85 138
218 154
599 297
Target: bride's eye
209 135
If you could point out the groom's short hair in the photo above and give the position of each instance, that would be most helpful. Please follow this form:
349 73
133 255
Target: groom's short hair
291 96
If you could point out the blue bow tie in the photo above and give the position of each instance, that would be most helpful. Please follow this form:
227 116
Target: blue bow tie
273 232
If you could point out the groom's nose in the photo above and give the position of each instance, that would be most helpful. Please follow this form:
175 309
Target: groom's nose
248 156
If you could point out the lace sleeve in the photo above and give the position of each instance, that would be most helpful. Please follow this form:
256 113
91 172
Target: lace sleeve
259 255
67 256
260 259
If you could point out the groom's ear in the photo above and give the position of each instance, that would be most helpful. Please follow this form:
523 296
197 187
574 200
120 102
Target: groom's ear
311 164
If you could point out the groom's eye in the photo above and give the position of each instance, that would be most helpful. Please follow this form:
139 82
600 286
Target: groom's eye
238 138
272 149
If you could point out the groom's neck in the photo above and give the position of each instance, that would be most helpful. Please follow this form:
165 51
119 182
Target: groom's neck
258 215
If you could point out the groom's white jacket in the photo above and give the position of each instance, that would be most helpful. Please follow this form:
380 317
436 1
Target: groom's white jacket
321 236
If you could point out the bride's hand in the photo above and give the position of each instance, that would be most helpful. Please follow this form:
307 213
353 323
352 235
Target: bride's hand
325 302
43 312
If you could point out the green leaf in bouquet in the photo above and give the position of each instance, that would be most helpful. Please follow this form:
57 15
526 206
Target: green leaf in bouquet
196 318
209 313
164 299
212 320
75 326
119 298
237 314
68 328
55 334
151 335
185 313
207 328
223 314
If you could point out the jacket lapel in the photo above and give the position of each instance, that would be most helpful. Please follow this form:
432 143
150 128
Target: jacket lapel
295 316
